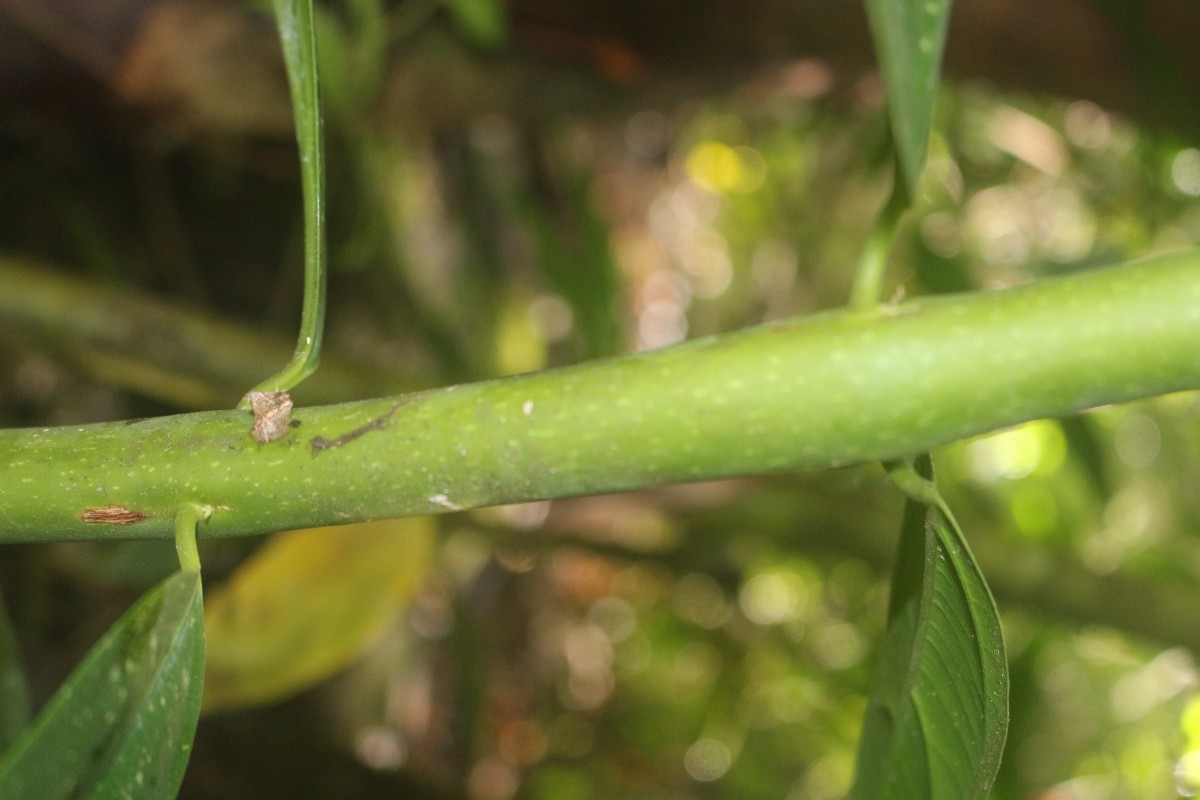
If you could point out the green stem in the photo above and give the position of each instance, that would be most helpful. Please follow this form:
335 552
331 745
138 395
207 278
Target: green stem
836 388
915 487
867 291
187 520
296 33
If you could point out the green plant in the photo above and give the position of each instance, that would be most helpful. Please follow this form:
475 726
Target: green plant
874 382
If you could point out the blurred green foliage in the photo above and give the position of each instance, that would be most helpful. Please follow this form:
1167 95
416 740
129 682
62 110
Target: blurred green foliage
712 641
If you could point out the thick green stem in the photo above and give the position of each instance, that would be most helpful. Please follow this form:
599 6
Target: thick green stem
835 388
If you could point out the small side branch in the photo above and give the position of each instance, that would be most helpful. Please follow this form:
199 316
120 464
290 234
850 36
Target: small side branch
186 522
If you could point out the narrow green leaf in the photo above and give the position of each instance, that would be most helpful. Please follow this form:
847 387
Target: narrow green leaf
909 38
122 724
14 692
938 713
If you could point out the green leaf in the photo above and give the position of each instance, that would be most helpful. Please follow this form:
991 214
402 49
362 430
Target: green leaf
938 712
909 38
122 724
14 692
306 604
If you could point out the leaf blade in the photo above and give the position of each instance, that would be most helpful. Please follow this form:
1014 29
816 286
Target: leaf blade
14 690
122 724
910 36
937 716
306 605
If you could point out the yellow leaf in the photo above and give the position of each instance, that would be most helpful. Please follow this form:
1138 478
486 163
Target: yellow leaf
307 604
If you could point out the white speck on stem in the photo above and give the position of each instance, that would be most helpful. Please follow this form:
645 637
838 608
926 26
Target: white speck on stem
444 501
527 408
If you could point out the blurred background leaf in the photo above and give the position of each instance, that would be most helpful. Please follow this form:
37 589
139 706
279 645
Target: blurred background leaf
481 21
305 605
14 691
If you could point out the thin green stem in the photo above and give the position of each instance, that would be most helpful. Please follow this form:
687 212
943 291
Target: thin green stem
867 291
916 487
187 520
298 37
905 478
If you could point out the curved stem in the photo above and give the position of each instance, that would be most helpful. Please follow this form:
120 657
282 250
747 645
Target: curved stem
867 291
298 37
187 520
913 485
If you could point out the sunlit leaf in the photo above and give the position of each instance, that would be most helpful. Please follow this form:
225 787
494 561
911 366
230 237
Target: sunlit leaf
122 724
14 692
306 605
909 38
938 713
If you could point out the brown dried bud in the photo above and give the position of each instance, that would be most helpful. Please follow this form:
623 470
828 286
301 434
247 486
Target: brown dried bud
272 415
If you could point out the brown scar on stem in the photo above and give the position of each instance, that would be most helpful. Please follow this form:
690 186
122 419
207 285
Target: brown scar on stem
113 515
320 443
